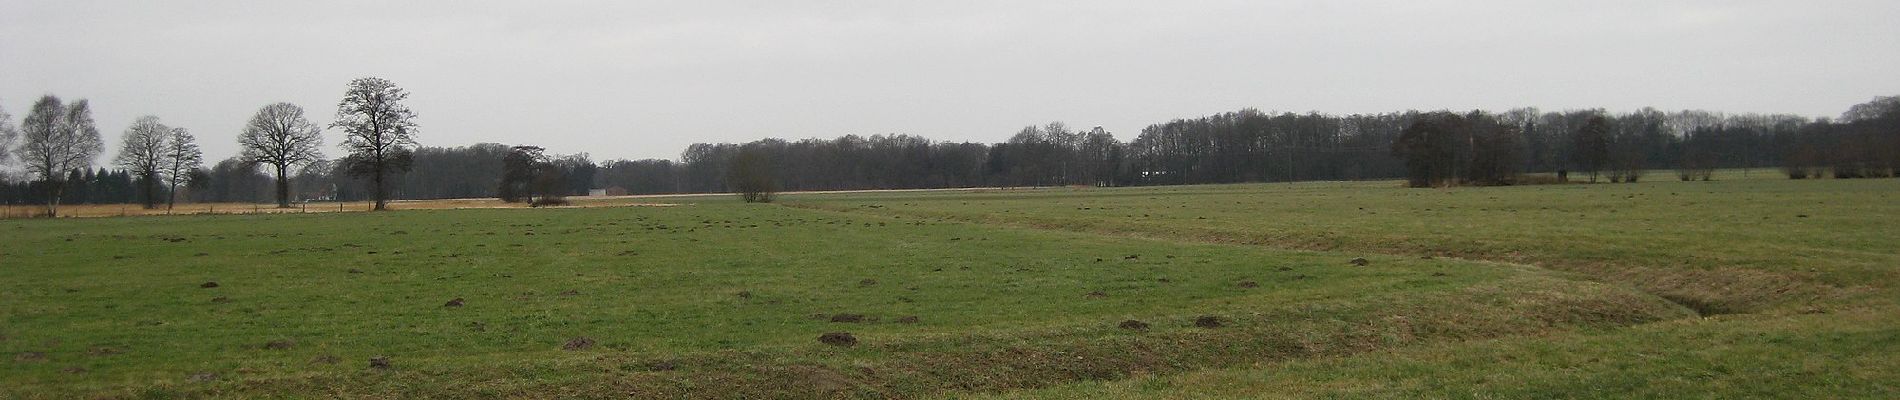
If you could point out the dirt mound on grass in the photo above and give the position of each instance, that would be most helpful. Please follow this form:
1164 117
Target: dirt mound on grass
840 339
1208 321
578 343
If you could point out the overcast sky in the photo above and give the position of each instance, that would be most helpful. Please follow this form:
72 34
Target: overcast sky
643 80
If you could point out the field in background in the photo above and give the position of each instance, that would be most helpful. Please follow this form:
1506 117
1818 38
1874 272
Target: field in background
128 210
1732 288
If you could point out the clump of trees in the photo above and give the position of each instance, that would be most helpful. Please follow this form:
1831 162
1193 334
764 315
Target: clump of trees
1446 149
232 180
530 175
1591 146
1863 143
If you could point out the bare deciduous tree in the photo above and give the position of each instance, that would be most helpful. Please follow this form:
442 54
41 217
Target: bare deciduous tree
379 133
58 138
280 136
141 153
8 135
181 157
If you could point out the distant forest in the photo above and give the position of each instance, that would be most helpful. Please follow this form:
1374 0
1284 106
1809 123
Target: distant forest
1426 148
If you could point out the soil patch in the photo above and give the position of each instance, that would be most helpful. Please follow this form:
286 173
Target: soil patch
579 343
1208 321
1134 325
840 339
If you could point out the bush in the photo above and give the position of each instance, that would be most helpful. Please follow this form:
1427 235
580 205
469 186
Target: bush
750 174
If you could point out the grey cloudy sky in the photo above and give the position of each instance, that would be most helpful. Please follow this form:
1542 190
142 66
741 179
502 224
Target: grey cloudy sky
644 79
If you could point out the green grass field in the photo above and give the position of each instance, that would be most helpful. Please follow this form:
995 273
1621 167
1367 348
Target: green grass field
1725 289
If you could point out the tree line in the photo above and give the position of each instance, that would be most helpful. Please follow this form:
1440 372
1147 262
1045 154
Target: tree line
281 156
58 142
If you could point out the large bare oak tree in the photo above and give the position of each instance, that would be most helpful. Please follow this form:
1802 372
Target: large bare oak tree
141 153
280 136
379 133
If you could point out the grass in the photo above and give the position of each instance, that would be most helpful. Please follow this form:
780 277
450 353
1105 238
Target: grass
1548 291
1726 246
1839 355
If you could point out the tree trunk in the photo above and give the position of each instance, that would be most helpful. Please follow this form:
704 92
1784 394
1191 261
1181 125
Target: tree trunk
150 186
171 197
52 204
283 187
380 193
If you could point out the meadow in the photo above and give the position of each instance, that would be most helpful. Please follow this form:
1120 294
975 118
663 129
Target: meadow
1740 287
